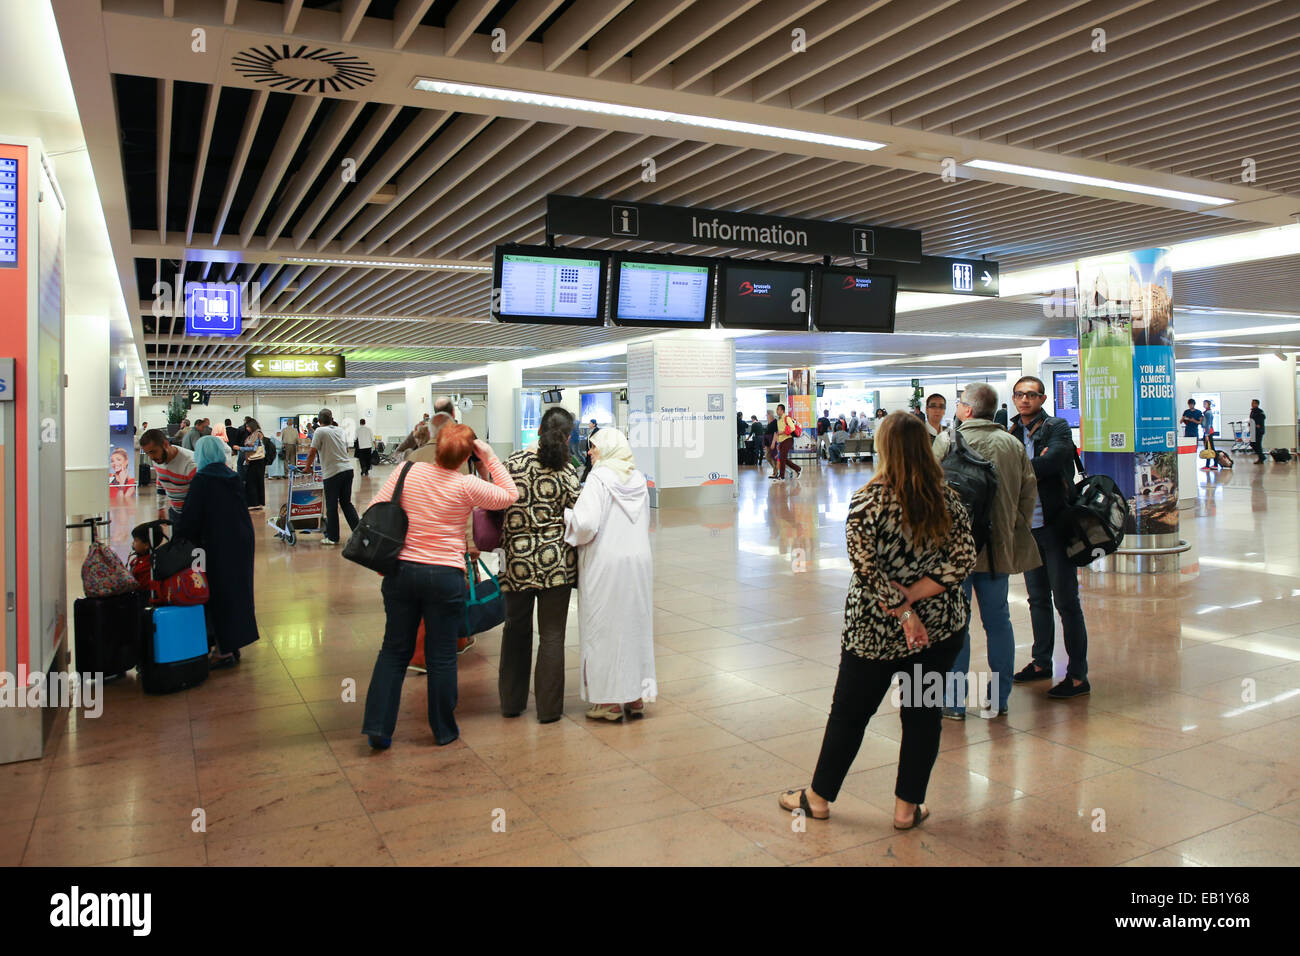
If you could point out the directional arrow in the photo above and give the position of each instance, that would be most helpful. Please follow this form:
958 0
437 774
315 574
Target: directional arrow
329 366
258 365
986 279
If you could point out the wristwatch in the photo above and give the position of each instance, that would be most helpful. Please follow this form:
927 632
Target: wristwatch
905 615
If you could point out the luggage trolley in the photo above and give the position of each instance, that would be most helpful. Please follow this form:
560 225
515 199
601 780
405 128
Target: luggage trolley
1242 435
303 511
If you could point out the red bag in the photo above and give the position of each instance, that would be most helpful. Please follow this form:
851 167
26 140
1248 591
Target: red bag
417 659
184 589
798 430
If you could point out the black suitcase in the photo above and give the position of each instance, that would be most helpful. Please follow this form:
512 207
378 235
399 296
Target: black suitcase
1281 454
106 633
747 457
146 476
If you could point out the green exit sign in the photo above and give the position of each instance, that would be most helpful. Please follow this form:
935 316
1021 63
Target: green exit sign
388 408
291 365
234 408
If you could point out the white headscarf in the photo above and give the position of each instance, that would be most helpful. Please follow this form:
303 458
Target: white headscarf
615 454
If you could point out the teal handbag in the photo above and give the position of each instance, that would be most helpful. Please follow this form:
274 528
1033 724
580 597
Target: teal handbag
484 606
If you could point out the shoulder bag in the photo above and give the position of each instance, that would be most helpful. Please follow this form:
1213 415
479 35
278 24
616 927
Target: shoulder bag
381 534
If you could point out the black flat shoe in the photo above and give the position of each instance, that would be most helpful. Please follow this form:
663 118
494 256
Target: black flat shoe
803 804
918 816
1031 672
1068 689
223 663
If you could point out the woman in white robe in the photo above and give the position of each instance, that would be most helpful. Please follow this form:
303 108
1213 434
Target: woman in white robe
610 527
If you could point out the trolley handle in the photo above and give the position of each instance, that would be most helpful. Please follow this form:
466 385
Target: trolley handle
92 523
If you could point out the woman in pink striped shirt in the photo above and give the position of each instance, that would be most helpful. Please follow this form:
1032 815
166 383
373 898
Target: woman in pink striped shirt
429 583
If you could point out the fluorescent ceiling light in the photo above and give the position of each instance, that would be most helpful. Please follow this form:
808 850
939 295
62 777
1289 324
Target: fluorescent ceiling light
385 264
639 112
1242 247
1061 177
1236 333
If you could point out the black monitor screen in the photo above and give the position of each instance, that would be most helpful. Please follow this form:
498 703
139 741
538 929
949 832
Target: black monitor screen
553 286
850 300
763 296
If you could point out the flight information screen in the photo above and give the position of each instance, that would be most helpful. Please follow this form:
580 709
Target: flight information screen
550 286
1066 387
8 214
662 292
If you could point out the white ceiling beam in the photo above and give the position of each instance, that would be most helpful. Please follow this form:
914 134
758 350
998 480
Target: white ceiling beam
630 28
211 98
286 145
406 18
425 125
519 24
576 26
251 120
682 33
292 10
228 16
322 148
358 151
449 142
461 22
760 24
164 153
352 13
821 26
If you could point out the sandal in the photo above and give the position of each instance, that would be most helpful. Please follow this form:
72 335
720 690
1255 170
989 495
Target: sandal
803 804
605 712
918 815
635 709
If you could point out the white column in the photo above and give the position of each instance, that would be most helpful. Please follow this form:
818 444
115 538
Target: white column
419 400
85 426
1278 399
502 380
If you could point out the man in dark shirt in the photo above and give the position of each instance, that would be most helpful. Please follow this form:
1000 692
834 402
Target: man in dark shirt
1000 416
1257 418
1191 420
769 441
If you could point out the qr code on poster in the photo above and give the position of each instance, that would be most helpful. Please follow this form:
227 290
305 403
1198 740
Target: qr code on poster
1171 440
1118 439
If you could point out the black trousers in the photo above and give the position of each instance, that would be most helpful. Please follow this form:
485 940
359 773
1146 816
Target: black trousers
1258 444
255 483
859 689
338 494
517 651
363 456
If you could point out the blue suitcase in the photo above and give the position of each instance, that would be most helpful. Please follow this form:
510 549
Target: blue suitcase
174 652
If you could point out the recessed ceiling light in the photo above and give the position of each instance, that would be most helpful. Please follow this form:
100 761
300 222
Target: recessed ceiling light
385 264
1058 176
427 85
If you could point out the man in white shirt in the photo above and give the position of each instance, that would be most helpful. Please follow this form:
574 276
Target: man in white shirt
331 445
289 438
365 446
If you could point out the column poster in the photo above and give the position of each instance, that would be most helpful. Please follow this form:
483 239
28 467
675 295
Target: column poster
1155 423
121 444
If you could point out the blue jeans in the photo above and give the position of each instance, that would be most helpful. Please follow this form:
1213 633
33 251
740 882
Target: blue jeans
414 592
1057 581
995 614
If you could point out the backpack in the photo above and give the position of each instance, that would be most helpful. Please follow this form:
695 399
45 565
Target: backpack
1094 518
974 478
1224 459
379 537
1281 454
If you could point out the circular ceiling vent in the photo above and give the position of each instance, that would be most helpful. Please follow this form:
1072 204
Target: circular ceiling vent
303 70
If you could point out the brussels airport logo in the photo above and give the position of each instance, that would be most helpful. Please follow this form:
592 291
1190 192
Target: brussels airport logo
855 282
758 289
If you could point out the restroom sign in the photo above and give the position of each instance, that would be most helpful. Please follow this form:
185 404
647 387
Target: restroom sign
963 277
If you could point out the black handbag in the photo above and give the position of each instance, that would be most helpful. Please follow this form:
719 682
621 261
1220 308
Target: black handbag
169 554
1093 522
379 537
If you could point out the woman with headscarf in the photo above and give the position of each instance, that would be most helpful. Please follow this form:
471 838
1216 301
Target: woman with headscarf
610 527
216 519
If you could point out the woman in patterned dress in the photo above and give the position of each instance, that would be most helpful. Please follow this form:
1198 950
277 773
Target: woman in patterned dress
910 544
539 568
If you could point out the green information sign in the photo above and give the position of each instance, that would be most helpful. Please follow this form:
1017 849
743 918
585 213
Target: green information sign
388 408
277 365
234 408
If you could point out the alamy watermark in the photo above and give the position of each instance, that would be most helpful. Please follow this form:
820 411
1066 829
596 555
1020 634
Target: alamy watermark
56 689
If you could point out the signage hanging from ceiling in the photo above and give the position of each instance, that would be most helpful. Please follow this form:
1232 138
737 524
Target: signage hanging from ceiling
212 308
648 222
945 275
277 365
197 396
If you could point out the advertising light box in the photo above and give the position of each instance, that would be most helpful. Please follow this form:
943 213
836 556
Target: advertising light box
763 295
552 286
662 291
850 300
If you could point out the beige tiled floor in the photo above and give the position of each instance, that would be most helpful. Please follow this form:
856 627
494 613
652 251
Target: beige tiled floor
1187 752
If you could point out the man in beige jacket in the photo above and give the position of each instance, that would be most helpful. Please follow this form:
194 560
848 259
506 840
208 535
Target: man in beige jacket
1010 549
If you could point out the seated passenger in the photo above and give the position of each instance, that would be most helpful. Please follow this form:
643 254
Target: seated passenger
838 438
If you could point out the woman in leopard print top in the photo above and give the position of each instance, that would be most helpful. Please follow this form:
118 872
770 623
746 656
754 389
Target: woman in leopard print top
910 544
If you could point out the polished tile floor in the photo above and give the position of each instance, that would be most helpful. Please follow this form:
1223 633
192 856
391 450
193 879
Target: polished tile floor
1187 752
